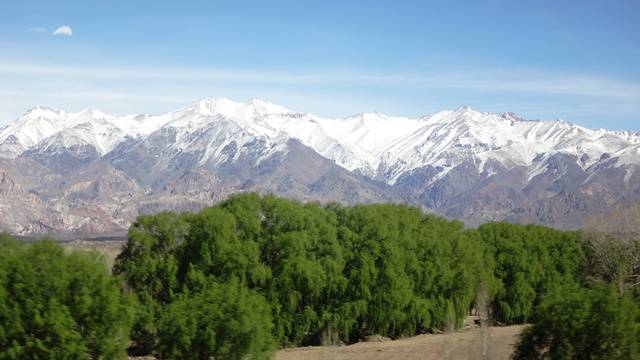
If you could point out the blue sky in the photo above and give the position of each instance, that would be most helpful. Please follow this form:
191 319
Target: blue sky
575 60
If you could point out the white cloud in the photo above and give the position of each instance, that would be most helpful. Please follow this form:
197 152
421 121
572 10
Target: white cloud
63 30
37 29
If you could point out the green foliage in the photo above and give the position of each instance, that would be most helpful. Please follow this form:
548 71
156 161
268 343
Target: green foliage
332 273
328 273
153 241
298 245
529 261
582 323
407 272
55 305
221 322
234 280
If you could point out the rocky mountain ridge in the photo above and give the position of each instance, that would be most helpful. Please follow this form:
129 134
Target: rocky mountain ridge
90 172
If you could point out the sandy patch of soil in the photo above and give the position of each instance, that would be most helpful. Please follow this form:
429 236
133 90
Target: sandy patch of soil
458 345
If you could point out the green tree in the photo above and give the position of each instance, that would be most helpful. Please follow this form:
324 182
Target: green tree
299 245
529 261
55 305
149 265
407 272
582 323
224 321
329 273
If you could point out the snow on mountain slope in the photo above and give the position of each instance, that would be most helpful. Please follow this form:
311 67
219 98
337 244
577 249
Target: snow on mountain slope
44 128
216 138
368 134
99 132
450 137
374 144
37 124
352 142
262 121
231 109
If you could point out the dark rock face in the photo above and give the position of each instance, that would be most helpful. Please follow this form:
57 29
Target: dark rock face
64 159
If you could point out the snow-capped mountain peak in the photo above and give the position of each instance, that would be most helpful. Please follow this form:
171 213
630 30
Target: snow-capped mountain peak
462 163
463 109
34 125
243 110
42 112
92 114
45 128
375 144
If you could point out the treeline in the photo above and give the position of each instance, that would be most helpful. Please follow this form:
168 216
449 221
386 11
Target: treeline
253 274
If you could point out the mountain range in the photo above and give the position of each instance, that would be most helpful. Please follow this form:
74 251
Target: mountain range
90 172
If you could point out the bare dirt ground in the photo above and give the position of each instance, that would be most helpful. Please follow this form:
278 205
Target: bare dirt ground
458 345
461 345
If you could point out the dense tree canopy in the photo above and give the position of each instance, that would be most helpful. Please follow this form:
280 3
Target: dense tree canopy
252 273
330 273
529 261
55 305
336 274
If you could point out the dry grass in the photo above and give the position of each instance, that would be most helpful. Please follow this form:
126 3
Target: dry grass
108 248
